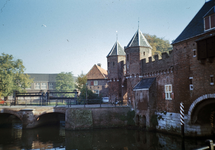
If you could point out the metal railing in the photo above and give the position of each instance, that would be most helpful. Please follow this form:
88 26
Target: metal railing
210 145
59 99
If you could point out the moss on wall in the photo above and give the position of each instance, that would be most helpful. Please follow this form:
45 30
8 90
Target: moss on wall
129 118
80 118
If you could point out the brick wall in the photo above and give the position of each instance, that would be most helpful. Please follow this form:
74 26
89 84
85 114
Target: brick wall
102 86
187 65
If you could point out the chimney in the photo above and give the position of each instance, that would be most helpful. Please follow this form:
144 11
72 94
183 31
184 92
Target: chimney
99 64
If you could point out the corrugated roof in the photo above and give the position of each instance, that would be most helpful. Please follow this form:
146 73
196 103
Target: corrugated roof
117 49
196 25
144 84
97 73
138 40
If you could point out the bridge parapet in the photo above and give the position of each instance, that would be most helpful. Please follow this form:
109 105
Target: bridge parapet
75 118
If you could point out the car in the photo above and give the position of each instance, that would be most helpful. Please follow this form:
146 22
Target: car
105 99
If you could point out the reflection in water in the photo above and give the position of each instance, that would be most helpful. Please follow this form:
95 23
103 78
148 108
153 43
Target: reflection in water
55 137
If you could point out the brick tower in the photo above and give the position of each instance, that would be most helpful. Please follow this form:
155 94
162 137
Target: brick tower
115 61
138 48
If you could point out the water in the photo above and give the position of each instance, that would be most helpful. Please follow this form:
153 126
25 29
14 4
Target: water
57 138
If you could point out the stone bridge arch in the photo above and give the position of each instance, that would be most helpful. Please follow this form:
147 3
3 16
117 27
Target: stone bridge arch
18 114
204 101
49 118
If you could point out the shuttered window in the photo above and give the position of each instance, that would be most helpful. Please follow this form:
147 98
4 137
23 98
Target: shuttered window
206 48
213 21
168 92
207 23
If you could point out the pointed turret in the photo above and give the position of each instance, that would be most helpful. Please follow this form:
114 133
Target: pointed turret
116 50
138 40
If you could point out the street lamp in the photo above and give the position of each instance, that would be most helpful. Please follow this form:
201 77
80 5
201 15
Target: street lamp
86 92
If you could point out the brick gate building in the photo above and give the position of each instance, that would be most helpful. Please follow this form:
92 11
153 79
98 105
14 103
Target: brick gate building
155 85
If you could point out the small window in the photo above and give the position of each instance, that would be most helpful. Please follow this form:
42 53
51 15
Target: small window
207 23
191 80
194 52
144 53
211 80
51 86
191 83
36 85
113 63
124 69
108 64
43 86
96 91
168 92
95 82
127 57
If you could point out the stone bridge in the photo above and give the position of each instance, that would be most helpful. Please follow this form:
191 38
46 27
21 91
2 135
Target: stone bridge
75 118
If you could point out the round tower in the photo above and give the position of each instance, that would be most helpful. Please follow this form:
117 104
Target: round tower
115 64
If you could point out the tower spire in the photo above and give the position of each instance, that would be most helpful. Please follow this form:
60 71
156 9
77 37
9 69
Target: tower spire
116 36
138 23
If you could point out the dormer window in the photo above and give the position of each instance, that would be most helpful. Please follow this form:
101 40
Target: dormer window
209 19
209 22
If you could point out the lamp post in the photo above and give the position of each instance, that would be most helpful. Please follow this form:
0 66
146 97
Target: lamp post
86 94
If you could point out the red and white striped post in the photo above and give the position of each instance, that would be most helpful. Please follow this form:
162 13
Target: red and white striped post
182 118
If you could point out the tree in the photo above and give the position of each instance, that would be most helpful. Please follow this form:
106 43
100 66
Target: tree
65 82
82 87
159 45
12 76
81 81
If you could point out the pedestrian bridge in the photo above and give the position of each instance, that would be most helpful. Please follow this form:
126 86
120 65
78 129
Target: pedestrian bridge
75 117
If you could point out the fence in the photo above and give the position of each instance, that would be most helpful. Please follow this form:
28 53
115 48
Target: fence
59 99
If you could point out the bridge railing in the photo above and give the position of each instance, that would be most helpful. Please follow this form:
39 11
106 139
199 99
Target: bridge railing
60 99
210 145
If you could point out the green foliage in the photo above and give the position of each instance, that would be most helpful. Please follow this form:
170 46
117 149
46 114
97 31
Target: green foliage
130 117
154 120
65 83
159 45
12 76
90 94
81 81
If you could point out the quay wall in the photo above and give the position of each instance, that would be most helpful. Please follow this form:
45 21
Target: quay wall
88 118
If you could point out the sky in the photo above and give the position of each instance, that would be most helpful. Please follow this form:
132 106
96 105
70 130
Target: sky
53 36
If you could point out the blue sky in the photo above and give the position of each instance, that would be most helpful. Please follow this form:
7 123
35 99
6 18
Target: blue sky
53 36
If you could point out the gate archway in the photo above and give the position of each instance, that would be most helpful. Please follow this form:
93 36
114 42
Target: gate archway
201 109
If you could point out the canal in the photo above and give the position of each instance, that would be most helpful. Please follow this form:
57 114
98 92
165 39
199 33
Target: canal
57 138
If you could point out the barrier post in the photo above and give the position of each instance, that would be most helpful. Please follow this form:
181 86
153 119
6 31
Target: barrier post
182 118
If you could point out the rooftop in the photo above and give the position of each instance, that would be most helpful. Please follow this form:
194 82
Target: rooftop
97 72
196 25
138 40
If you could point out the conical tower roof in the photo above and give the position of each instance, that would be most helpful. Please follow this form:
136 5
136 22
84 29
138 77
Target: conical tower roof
138 40
116 50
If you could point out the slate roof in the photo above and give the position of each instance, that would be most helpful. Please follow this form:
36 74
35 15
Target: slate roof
117 49
196 25
138 40
144 84
97 73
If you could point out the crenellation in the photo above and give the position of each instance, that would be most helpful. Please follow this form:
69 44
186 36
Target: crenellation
150 59
165 55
